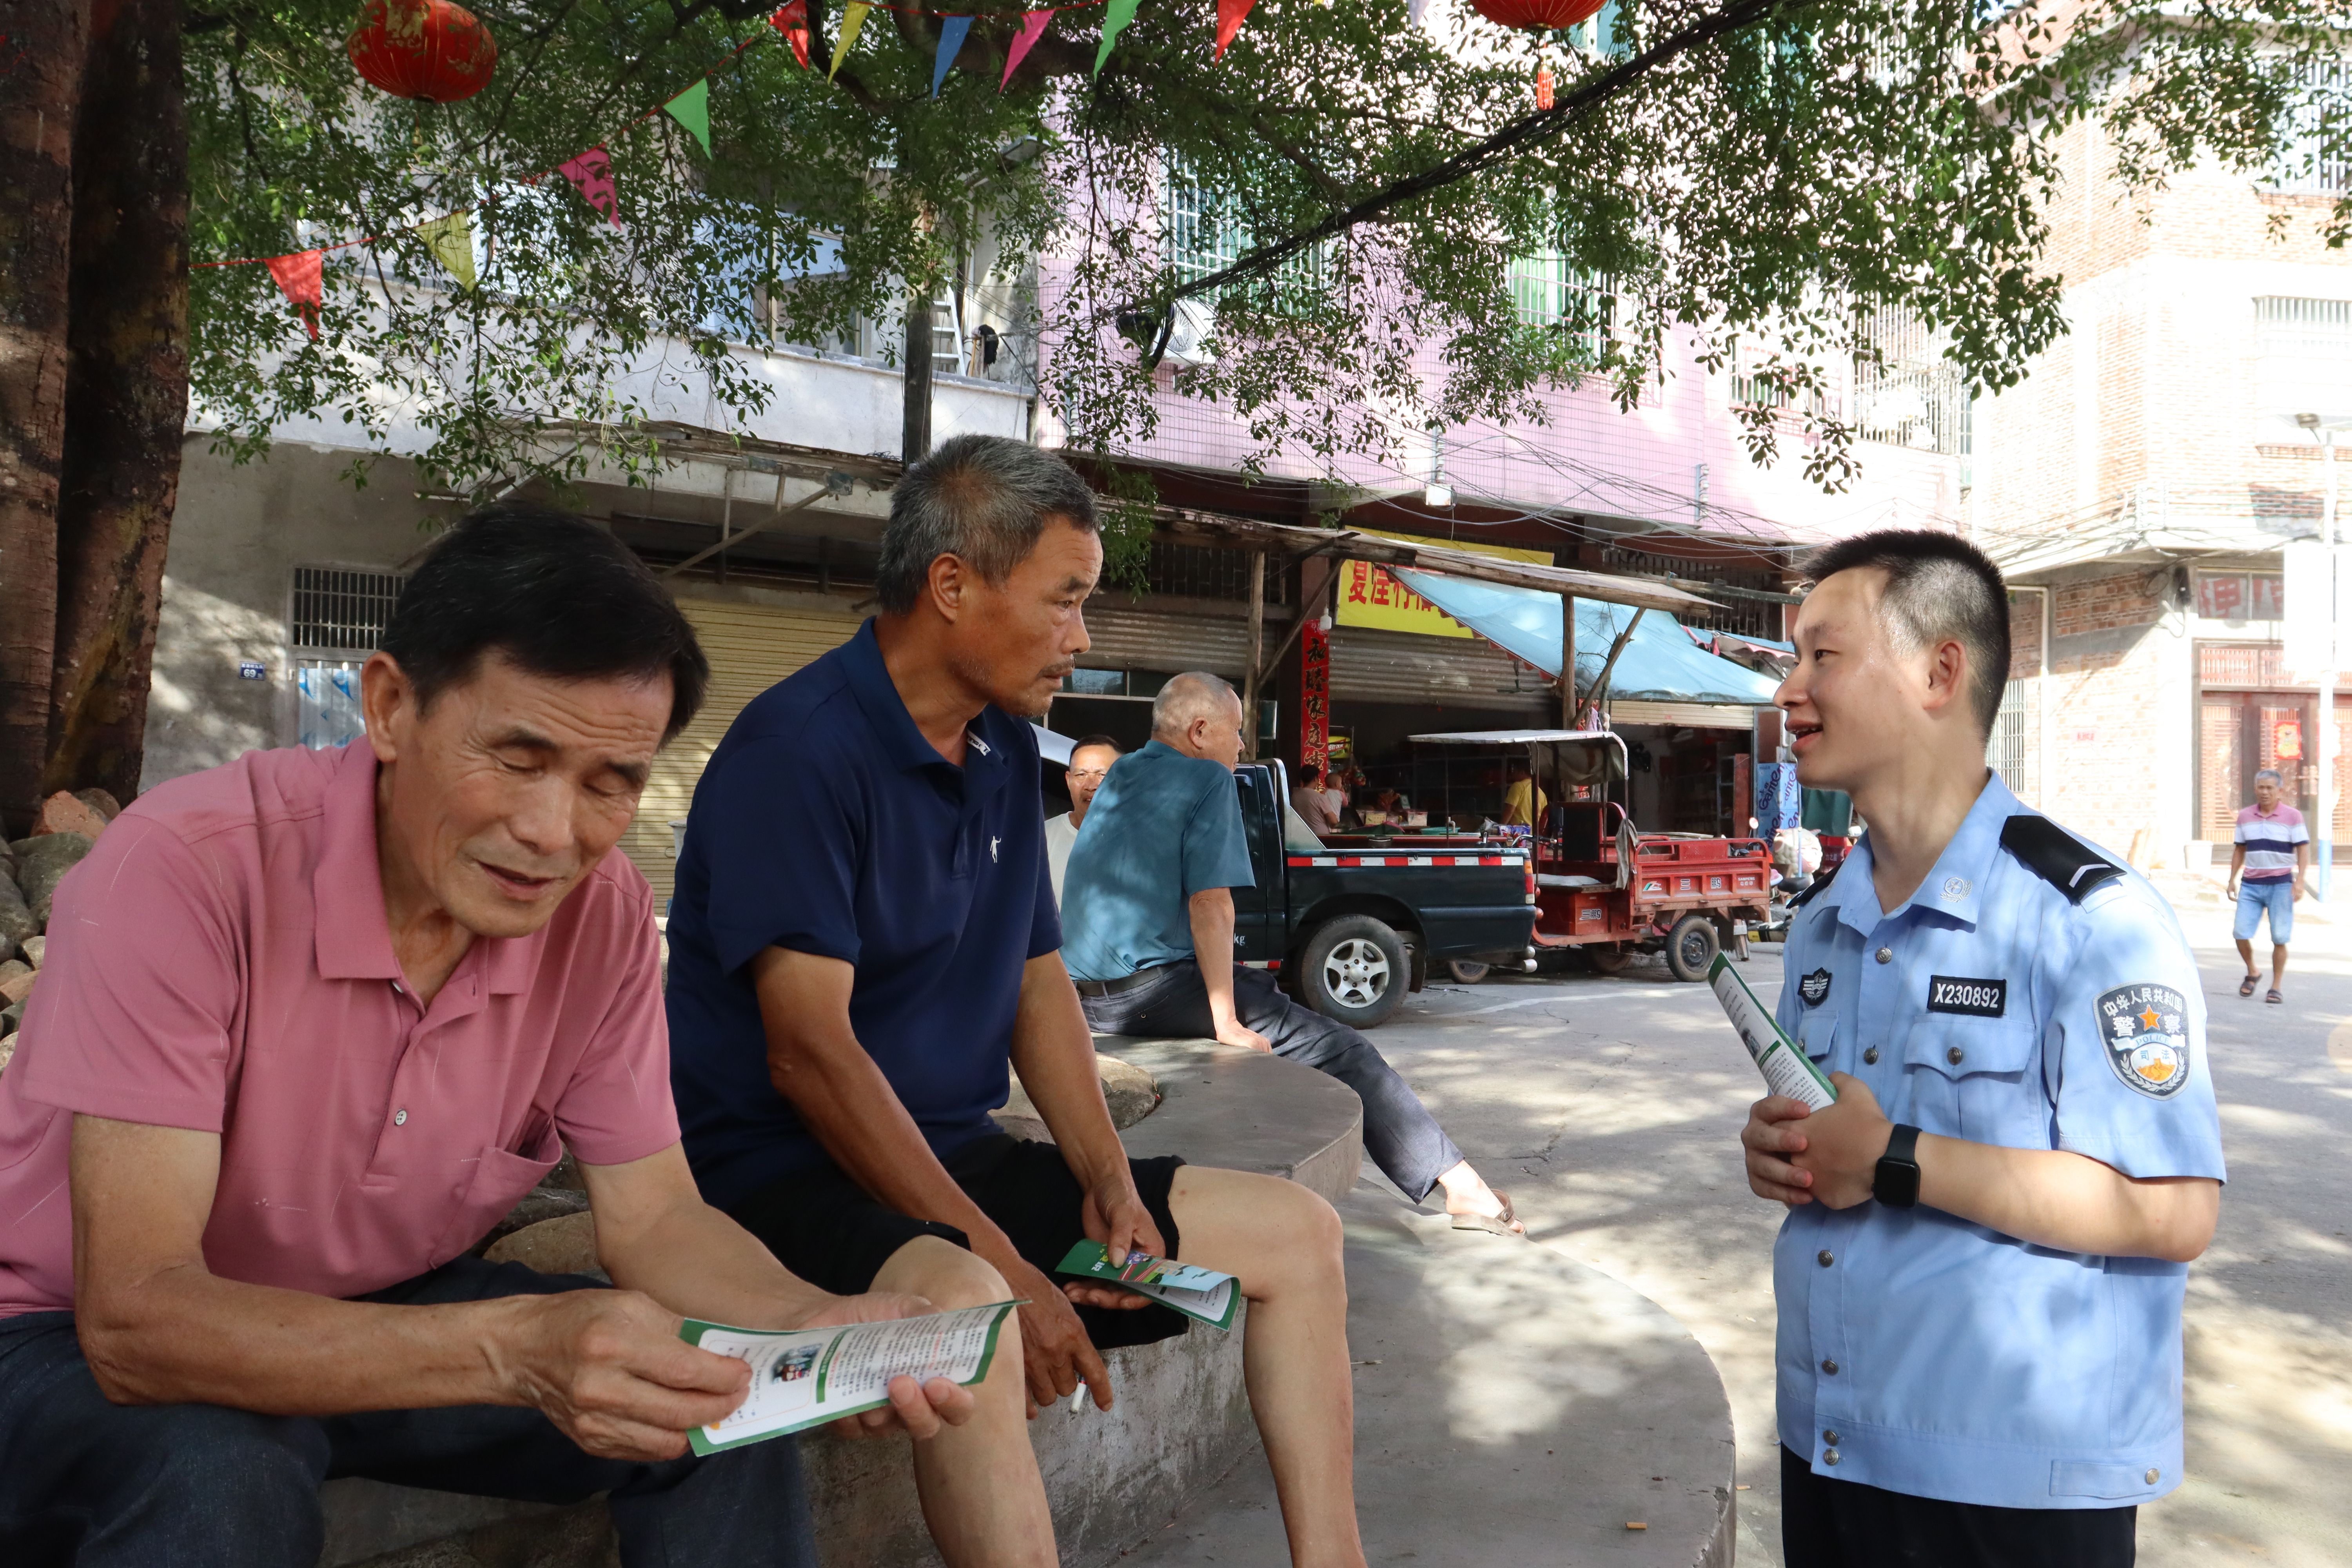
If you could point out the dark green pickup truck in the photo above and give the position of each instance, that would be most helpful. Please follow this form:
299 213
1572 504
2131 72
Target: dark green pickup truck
1353 927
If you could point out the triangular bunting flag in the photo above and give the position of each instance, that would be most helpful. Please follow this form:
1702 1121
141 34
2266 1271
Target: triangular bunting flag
1116 17
691 109
591 175
451 241
1033 27
1231 14
302 280
791 21
951 35
1414 11
853 17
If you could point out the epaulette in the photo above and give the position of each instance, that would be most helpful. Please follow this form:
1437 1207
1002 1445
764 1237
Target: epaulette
2056 855
1820 879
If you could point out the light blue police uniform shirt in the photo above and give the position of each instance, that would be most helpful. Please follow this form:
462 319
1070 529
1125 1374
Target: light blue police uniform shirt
1931 1357
1162 827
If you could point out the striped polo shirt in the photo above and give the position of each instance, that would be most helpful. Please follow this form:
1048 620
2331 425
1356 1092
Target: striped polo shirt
2270 840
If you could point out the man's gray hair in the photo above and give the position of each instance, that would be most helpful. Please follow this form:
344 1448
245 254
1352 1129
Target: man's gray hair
1195 694
2270 774
981 498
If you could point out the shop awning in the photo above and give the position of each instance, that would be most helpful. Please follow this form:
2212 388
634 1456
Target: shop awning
1660 663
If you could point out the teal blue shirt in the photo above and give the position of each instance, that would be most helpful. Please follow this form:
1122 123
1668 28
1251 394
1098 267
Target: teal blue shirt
1162 827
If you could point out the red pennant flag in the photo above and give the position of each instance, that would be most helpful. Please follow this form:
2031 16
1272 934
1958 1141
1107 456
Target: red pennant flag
791 21
1543 87
303 282
1033 27
591 175
1231 14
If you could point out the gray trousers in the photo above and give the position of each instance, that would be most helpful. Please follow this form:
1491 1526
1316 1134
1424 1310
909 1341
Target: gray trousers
1399 1134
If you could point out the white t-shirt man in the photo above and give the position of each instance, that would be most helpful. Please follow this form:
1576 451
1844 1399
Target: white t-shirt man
1060 834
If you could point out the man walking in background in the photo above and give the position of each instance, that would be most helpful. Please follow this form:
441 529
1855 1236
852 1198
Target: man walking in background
1150 941
2271 848
1090 760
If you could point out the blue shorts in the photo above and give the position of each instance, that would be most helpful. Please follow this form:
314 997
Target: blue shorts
2253 898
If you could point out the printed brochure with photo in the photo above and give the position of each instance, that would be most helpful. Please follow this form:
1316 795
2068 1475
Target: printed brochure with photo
1202 1293
805 1377
1786 1068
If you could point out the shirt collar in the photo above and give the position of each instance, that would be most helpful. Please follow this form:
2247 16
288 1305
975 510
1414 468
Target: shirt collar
1953 887
353 940
985 760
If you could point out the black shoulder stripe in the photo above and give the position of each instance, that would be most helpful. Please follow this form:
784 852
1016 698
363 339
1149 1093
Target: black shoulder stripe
2056 855
1820 879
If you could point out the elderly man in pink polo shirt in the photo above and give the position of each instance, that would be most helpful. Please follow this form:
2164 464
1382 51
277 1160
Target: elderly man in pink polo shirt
312 1023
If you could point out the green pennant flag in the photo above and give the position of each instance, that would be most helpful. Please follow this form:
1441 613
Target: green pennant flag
853 17
451 241
1114 20
691 109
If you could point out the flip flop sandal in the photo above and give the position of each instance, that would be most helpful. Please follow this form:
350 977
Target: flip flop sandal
2273 996
2247 989
1503 1224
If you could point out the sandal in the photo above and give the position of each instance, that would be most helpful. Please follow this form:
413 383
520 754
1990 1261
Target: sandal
2247 988
1506 1223
2273 996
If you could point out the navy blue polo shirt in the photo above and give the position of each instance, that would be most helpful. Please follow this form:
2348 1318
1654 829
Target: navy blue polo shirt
825 824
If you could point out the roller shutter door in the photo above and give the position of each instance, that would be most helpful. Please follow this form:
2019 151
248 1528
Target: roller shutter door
750 648
1370 666
1166 644
1687 715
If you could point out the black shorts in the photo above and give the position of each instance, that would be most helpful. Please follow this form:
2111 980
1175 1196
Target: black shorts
1827 1523
831 1232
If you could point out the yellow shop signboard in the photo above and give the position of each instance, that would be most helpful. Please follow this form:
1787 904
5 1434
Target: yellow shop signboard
1370 597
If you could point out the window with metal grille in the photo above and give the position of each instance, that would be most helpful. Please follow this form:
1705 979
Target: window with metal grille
1912 396
338 609
1549 291
2006 751
1204 572
2312 157
1204 231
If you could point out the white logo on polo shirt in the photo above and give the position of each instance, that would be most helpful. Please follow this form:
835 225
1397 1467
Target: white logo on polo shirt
992 842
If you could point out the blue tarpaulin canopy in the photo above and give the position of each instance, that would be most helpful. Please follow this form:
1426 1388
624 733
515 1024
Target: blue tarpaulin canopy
1660 663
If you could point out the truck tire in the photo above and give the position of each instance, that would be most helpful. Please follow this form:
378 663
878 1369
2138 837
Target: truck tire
1610 960
1354 970
1465 971
1692 945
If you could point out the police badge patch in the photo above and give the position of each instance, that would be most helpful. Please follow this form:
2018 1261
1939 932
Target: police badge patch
1814 987
2147 1031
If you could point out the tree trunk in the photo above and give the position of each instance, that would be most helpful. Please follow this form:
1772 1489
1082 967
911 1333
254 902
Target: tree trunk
41 74
915 438
126 394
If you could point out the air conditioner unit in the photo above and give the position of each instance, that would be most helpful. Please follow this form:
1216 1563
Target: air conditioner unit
1188 339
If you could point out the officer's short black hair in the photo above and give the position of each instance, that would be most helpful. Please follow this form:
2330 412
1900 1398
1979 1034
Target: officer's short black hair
1083 741
1939 585
553 592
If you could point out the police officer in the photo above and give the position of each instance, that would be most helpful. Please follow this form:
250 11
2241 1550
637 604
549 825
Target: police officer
1979 1279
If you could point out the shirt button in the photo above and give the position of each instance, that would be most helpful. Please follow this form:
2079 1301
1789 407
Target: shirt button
1828 1456
1885 955
1829 1367
1825 1257
400 1117
1871 1056
1955 1055
2152 1474
1829 1437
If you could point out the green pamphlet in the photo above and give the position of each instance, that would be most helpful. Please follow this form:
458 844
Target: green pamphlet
1786 1068
805 1377
1202 1293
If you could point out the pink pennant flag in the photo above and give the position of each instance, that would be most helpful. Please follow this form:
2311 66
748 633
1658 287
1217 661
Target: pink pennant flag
1033 27
592 173
302 280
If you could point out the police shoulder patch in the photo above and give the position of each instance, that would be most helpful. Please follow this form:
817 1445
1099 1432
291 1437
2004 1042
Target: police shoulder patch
2145 1029
1815 987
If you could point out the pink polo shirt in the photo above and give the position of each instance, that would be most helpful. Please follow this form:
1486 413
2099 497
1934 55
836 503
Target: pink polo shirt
221 961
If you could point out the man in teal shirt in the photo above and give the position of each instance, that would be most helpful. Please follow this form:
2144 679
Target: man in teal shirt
1148 935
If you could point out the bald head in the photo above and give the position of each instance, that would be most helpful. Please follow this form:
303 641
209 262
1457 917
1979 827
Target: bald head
1199 715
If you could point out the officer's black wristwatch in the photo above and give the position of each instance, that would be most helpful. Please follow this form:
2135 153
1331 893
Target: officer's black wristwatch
1897 1183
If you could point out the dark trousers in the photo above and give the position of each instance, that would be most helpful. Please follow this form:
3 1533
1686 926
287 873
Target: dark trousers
1828 1523
201 1485
1399 1134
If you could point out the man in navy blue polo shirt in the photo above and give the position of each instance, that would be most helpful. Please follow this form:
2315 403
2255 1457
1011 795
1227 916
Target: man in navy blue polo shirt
864 941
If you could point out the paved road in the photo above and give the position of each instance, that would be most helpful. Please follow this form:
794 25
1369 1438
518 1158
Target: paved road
1609 1109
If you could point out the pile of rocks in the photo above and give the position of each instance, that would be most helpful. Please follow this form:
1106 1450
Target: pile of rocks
30 869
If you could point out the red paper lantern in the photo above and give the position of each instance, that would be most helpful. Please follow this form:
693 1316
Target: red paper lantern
428 49
1542 15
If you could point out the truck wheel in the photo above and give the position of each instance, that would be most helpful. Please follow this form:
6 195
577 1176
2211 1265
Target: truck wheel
1610 960
1465 971
1691 946
1354 970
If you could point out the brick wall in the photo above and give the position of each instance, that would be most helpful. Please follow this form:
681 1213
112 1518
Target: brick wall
2126 599
2024 635
2113 743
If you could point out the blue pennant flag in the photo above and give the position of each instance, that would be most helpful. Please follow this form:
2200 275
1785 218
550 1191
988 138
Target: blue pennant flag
951 33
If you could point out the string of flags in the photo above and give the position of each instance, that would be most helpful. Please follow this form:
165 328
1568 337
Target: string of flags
449 239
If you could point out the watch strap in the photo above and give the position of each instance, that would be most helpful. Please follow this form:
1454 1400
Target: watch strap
1897 1182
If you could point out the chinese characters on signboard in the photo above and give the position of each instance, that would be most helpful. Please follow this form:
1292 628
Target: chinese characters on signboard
1314 697
1370 597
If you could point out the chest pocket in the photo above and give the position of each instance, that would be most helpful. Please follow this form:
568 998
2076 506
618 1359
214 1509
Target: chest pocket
1816 1032
1977 1078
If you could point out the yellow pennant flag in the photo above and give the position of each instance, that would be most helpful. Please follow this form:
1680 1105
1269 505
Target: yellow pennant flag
853 17
451 241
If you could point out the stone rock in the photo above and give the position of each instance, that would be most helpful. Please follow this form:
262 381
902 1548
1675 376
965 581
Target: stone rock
15 981
1133 1094
34 946
12 1018
98 801
17 922
564 1246
52 855
61 813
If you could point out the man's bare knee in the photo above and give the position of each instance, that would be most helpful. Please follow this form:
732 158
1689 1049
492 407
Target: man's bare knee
943 1273
1289 1235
